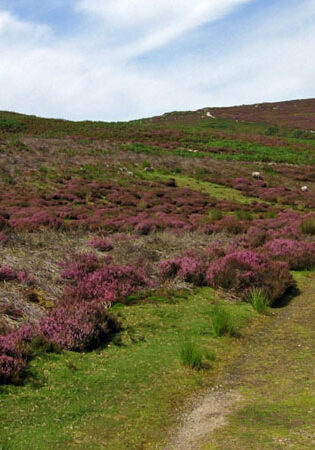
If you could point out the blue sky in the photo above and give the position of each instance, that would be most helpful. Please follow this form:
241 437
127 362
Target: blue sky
126 59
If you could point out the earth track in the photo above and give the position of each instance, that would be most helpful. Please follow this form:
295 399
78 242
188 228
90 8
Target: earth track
268 367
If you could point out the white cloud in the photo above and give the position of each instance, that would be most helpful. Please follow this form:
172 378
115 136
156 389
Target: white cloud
21 33
77 79
150 24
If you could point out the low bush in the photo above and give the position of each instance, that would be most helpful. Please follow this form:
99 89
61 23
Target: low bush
101 244
187 267
80 327
3 237
14 355
299 255
240 271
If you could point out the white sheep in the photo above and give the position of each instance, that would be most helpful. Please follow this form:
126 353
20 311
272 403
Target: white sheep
257 175
304 188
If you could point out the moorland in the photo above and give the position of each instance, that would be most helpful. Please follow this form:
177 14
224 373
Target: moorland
140 262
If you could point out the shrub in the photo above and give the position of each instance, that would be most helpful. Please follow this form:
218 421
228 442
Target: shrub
7 274
242 270
187 267
191 356
14 355
101 244
80 327
99 279
3 237
258 300
299 255
222 322
255 237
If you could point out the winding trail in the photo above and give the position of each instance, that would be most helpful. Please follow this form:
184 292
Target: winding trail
265 400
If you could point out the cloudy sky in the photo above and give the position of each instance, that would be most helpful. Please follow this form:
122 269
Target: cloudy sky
126 59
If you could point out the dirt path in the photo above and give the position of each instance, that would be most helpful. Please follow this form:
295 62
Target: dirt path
265 400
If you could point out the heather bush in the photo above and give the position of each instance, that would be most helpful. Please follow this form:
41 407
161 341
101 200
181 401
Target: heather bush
3 237
231 225
240 271
101 244
14 354
79 327
187 267
100 280
7 274
80 267
255 237
299 255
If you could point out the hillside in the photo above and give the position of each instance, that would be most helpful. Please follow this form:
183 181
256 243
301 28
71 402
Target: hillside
138 260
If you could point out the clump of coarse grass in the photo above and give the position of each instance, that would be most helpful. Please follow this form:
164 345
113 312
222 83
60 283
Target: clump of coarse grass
190 355
222 322
258 300
308 226
216 214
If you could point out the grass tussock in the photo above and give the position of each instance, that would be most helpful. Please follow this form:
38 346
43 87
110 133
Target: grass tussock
222 322
259 300
191 355
308 226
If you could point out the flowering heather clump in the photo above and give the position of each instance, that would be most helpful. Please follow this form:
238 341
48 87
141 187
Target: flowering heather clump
214 251
187 267
109 283
101 280
299 254
3 237
243 270
83 264
80 327
7 274
101 244
14 354
255 237
36 221
147 226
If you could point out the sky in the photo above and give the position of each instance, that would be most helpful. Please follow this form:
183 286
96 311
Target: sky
118 60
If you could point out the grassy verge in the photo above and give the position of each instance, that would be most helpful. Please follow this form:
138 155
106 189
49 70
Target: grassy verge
276 380
125 395
215 190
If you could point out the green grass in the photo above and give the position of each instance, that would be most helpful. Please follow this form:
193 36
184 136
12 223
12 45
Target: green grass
191 355
123 396
308 226
275 378
222 322
258 300
215 190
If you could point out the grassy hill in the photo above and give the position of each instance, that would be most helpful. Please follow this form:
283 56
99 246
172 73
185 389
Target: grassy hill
138 259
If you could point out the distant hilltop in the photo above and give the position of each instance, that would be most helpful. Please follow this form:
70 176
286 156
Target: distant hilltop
294 113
